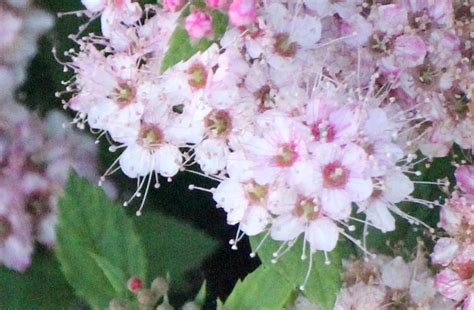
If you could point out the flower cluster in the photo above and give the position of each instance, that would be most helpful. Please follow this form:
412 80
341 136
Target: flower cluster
422 51
389 283
35 158
454 252
304 113
22 25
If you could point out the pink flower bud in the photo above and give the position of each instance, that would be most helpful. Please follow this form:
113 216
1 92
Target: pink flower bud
173 5
242 12
198 24
134 284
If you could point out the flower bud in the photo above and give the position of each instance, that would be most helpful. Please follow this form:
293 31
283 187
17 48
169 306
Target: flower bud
146 297
134 284
165 306
160 286
118 304
191 305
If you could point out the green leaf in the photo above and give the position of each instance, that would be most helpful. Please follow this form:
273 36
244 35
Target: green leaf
324 282
181 48
201 296
90 223
116 277
42 286
264 288
173 246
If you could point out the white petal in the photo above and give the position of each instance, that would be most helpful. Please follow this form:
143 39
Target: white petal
168 160
255 220
336 204
359 189
396 274
379 215
135 161
397 187
322 234
286 227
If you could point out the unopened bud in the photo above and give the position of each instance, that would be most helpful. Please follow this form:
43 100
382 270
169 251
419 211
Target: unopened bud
146 297
165 306
134 284
160 286
118 304
191 305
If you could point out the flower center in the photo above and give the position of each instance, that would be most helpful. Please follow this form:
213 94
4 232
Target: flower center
421 21
124 93
264 98
426 74
256 192
335 175
219 123
379 43
458 104
150 136
5 229
323 131
307 208
287 155
283 46
197 76
37 205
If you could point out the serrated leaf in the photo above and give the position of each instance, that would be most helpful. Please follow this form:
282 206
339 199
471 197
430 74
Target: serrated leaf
173 246
265 288
90 223
116 277
324 282
42 286
181 48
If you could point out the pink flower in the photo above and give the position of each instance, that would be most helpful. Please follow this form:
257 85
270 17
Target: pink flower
16 242
280 151
245 203
465 178
198 24
242 12
340 178
297 214
330 123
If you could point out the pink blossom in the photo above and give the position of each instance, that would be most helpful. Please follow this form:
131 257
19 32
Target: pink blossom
340 177
242 12
198 24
